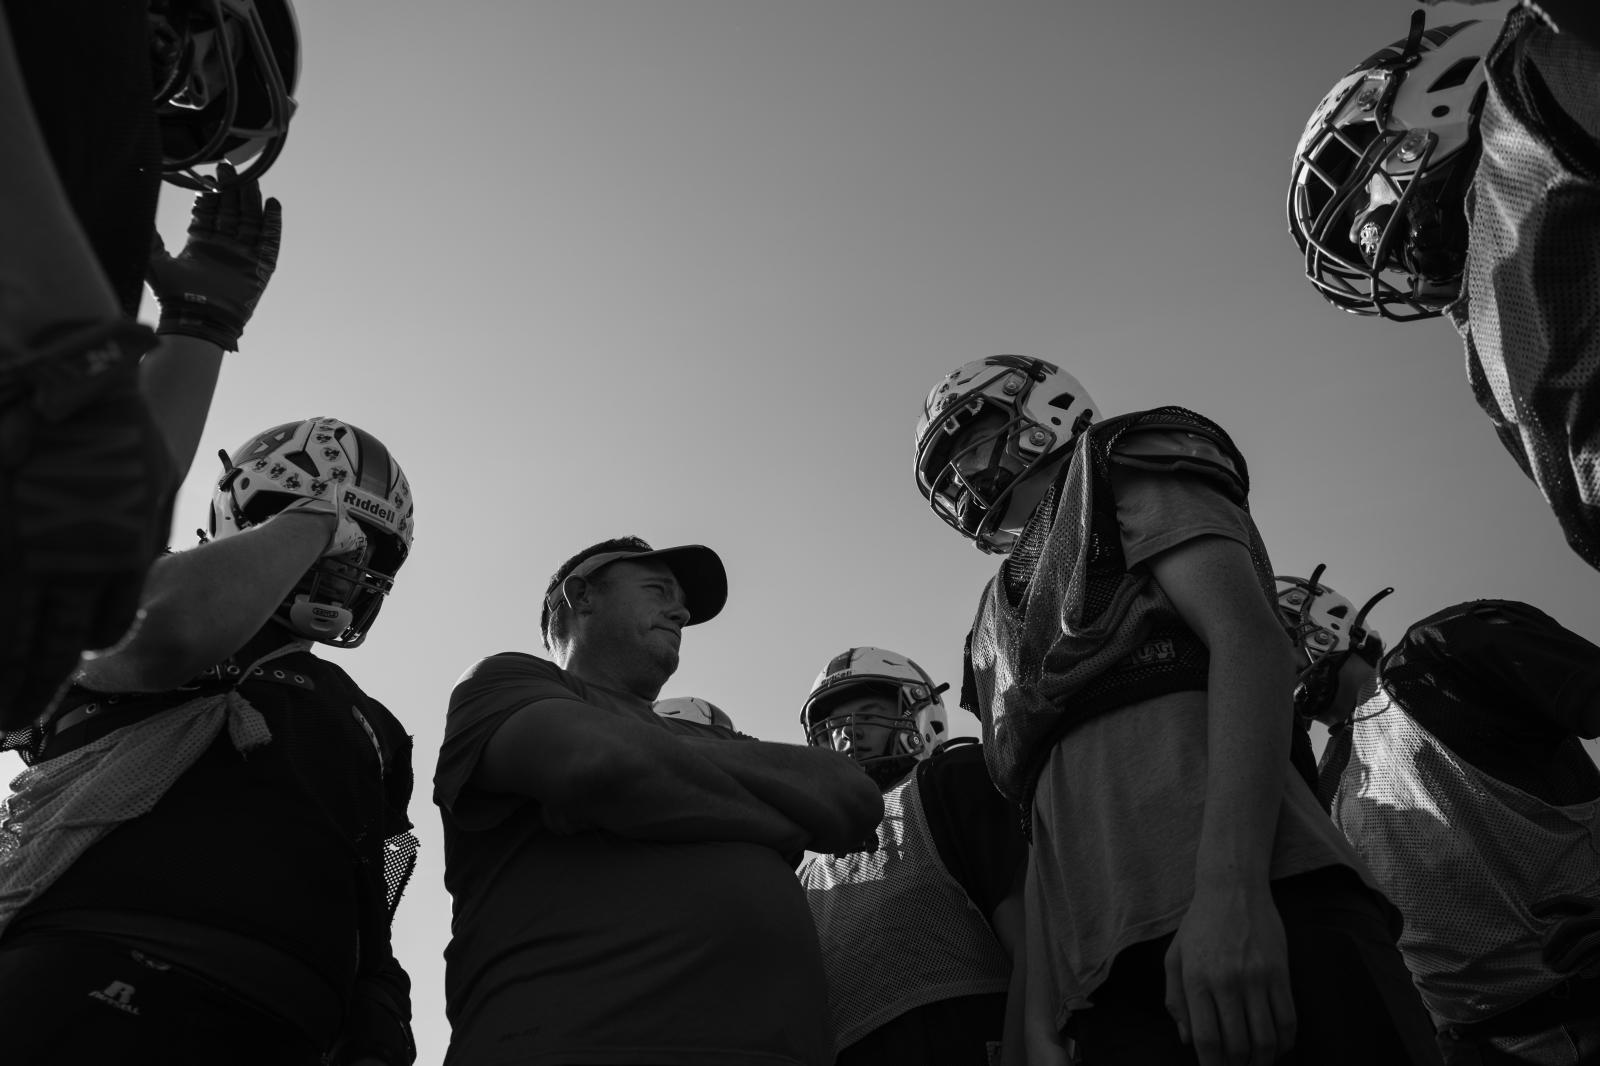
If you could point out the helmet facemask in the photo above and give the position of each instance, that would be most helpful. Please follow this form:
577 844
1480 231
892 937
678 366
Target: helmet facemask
1326 630
1377 203
913 720
988 442
224 78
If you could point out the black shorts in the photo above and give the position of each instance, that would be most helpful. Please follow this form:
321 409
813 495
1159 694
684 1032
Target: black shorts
68 1001
1353 997
86 64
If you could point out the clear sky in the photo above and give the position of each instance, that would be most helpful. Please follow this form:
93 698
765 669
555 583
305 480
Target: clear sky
686 269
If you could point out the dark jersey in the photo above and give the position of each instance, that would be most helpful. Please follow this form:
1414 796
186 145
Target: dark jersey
286 847
87 69
1531 291
1505 687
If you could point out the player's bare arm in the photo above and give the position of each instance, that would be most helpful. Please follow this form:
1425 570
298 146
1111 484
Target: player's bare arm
823 792
1227 969
594 768
200 606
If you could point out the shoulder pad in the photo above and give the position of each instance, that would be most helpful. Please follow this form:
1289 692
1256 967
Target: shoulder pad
1165 445
1173 451
955 744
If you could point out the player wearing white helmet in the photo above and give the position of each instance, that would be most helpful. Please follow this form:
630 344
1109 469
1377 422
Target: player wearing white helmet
132 861
1133 682
1326 630
694 709
1455 173
930 991
1455 766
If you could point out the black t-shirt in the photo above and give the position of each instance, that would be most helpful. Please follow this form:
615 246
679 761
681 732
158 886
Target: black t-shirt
1507 688
973 826
588 946
283 845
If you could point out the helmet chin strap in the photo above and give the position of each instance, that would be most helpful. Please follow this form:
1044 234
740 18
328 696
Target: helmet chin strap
319 621
1318 684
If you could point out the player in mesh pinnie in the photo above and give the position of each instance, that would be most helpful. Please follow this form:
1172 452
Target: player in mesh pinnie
1457 172
1186 897
1456 767
202 862
918 934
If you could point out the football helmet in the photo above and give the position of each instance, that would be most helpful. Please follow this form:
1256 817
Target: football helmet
1378 188
224 73
339 597
988 440
693 709
916 726
1326 629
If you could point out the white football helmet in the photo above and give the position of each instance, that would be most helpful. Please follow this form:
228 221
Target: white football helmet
693 709
988 441
339 597
917 725
1377 193
1323 623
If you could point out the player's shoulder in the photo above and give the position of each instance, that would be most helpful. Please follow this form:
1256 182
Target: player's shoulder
1472 630
1173 432
507 665
1174 440
508 670
957 760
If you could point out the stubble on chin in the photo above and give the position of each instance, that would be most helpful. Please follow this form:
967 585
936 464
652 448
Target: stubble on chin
666 659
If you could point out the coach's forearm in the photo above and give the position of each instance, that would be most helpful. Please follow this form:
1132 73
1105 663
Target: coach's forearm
822 791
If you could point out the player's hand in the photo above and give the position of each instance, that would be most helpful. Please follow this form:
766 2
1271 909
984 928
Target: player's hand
868 846
345 534
1228 978
211 288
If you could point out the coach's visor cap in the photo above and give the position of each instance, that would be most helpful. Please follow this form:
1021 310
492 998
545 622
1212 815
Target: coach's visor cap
698 570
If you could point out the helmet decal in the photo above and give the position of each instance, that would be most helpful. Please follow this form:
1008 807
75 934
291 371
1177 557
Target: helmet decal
915 724
989 437
339 597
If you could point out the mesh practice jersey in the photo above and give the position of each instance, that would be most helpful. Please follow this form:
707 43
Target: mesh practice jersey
1465 857
1064 613
1530 296
897 930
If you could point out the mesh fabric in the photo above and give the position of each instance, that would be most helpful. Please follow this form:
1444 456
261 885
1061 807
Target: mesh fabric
1529 310
1065 632
897 930
1466 859
58 809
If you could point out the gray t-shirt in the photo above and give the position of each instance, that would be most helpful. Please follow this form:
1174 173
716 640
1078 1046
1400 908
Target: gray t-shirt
1118 808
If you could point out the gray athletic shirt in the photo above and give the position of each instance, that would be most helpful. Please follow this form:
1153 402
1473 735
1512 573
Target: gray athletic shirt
1118 808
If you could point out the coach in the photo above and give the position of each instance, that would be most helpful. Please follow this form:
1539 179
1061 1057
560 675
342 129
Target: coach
623 885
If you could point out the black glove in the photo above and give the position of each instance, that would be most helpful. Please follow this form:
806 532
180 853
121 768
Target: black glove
212 287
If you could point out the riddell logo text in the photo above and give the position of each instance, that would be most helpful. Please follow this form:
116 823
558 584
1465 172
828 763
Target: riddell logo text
371 507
